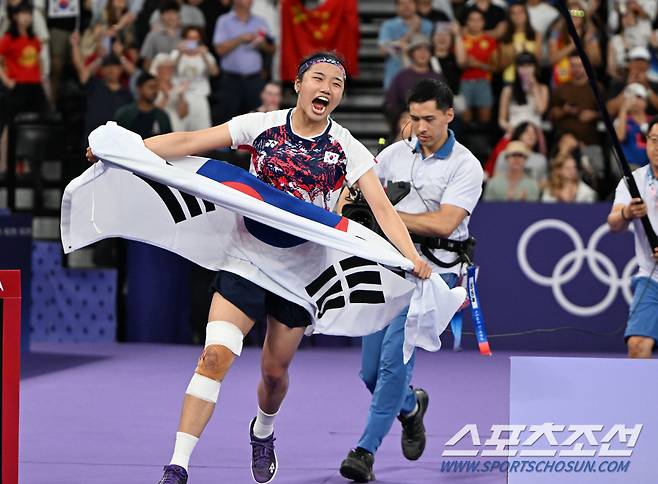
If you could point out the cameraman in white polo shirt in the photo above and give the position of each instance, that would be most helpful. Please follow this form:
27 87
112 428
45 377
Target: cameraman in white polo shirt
445 184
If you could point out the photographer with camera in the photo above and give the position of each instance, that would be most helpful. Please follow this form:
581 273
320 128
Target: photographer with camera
444 182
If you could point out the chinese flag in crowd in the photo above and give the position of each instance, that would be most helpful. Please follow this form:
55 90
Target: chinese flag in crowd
334 25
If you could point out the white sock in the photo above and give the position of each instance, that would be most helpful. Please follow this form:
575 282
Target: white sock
185 444
264 425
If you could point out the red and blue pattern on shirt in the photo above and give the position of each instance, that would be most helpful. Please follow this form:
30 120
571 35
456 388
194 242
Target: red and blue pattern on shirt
311 170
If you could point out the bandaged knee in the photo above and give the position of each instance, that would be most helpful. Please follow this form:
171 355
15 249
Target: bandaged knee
203 388
226 334
222 339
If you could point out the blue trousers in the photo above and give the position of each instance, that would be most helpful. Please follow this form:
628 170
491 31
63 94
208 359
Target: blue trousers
387 378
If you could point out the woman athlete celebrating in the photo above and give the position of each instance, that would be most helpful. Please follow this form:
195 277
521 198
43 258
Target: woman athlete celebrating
303 152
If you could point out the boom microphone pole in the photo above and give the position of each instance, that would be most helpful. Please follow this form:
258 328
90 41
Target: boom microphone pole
618 152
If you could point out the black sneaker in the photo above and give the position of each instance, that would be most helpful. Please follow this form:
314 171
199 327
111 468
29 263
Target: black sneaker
263 458
413 430
357 466
173 474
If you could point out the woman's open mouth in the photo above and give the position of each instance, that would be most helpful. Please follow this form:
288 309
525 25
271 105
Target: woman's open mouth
320 104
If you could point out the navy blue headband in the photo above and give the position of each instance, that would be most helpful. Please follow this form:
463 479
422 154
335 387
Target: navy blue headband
315 60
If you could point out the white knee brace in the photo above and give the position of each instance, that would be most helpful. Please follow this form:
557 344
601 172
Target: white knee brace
222 333
203 388
226 334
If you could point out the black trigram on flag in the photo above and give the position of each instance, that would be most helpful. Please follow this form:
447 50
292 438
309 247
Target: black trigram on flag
172 203
334 296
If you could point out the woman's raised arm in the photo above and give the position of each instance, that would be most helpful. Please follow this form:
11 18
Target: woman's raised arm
185 143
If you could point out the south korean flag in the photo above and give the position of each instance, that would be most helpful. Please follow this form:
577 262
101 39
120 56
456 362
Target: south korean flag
222 217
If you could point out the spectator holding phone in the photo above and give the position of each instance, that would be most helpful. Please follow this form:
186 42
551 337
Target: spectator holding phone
632 33
637 70
524 99
194 66
240 39
631 124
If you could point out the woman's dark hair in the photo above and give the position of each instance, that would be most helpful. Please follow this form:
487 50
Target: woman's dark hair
24 6
467 13
432 90
653 121
190 28
143 78
530 33
518 94
167 5
520 129
575 153
333 55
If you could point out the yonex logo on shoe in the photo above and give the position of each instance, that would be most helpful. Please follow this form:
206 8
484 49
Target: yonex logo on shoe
272 468
334 296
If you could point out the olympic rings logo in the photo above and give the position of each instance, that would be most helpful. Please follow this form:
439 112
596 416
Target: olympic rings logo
599 264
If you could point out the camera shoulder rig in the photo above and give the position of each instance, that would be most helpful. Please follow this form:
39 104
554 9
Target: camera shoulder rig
465 249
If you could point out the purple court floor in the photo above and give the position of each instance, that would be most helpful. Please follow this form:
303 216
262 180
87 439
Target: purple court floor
108 414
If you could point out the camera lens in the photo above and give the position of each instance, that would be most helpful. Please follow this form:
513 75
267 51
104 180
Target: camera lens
361 216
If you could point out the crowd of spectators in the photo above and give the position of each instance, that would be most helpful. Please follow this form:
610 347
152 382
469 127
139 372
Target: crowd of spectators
201 61
524 103
512 64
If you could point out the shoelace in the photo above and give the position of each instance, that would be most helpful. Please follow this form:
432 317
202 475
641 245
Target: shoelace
261 452
171 476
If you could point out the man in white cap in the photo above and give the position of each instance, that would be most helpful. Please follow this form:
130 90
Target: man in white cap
631 124
639 59
419 52
513 184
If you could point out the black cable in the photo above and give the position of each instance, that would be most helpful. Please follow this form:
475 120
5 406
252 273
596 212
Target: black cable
618 330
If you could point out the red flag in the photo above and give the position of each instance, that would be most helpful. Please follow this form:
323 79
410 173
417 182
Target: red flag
334 25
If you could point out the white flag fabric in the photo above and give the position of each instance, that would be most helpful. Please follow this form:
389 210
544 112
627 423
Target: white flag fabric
222 217
63 8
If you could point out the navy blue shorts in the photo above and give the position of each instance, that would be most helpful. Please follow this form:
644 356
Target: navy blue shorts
257 303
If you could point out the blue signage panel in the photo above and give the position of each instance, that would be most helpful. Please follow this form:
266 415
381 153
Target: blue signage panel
552 277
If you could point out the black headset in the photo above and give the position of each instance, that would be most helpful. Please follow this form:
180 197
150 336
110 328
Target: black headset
414 150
